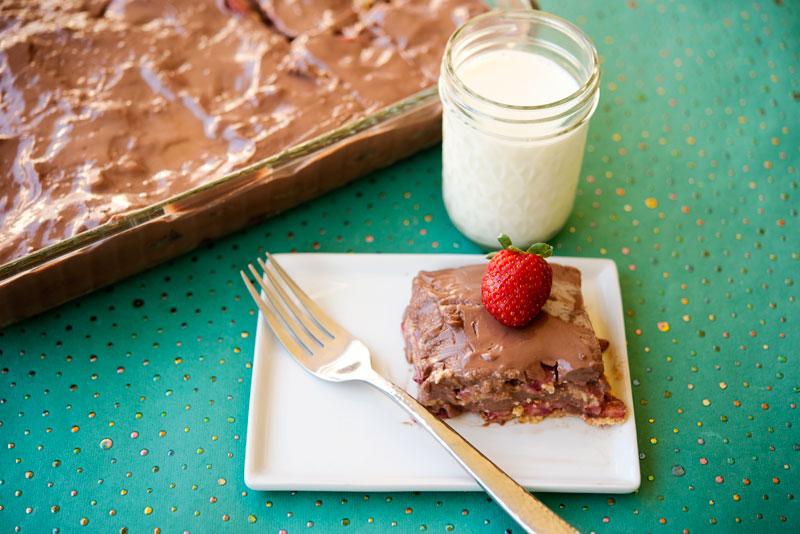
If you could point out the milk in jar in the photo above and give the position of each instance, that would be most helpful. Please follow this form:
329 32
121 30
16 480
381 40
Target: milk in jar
516 105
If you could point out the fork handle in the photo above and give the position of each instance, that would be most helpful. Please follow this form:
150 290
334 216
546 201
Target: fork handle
524 508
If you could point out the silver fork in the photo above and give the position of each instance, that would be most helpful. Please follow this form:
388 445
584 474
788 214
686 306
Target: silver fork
327 351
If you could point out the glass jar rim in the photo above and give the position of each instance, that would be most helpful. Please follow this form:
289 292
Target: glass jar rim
562 24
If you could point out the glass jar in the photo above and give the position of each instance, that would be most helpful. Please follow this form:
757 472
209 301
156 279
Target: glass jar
518 89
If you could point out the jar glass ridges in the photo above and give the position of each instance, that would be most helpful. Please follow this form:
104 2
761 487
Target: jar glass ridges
509 165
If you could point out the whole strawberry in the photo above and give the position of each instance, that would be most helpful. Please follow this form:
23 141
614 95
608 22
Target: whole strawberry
517 282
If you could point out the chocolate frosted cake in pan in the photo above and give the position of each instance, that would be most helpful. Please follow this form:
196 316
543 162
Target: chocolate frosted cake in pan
109 106
464 359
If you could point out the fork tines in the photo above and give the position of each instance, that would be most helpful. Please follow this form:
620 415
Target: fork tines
299 323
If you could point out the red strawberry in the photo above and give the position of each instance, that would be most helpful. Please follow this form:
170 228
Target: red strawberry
517 283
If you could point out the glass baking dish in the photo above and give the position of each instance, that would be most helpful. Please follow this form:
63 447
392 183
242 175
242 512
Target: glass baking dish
135 241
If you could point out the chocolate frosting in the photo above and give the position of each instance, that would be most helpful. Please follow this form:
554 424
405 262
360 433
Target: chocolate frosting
107 107
295 17
408 24
369 65
458 336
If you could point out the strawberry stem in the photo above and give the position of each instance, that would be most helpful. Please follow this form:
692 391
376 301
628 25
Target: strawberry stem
540 249
506 242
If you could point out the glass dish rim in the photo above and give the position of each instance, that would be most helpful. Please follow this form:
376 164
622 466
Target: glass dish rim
294 154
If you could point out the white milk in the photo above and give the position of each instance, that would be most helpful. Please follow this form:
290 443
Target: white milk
494 185
505 169
516 78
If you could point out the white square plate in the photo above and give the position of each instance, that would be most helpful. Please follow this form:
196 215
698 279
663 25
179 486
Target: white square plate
307 434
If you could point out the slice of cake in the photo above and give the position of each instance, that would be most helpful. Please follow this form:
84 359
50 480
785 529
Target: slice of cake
464 359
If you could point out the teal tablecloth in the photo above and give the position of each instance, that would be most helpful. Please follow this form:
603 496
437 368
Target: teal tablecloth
126 410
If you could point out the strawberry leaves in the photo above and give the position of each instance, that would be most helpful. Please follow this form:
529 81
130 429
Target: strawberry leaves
540 249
